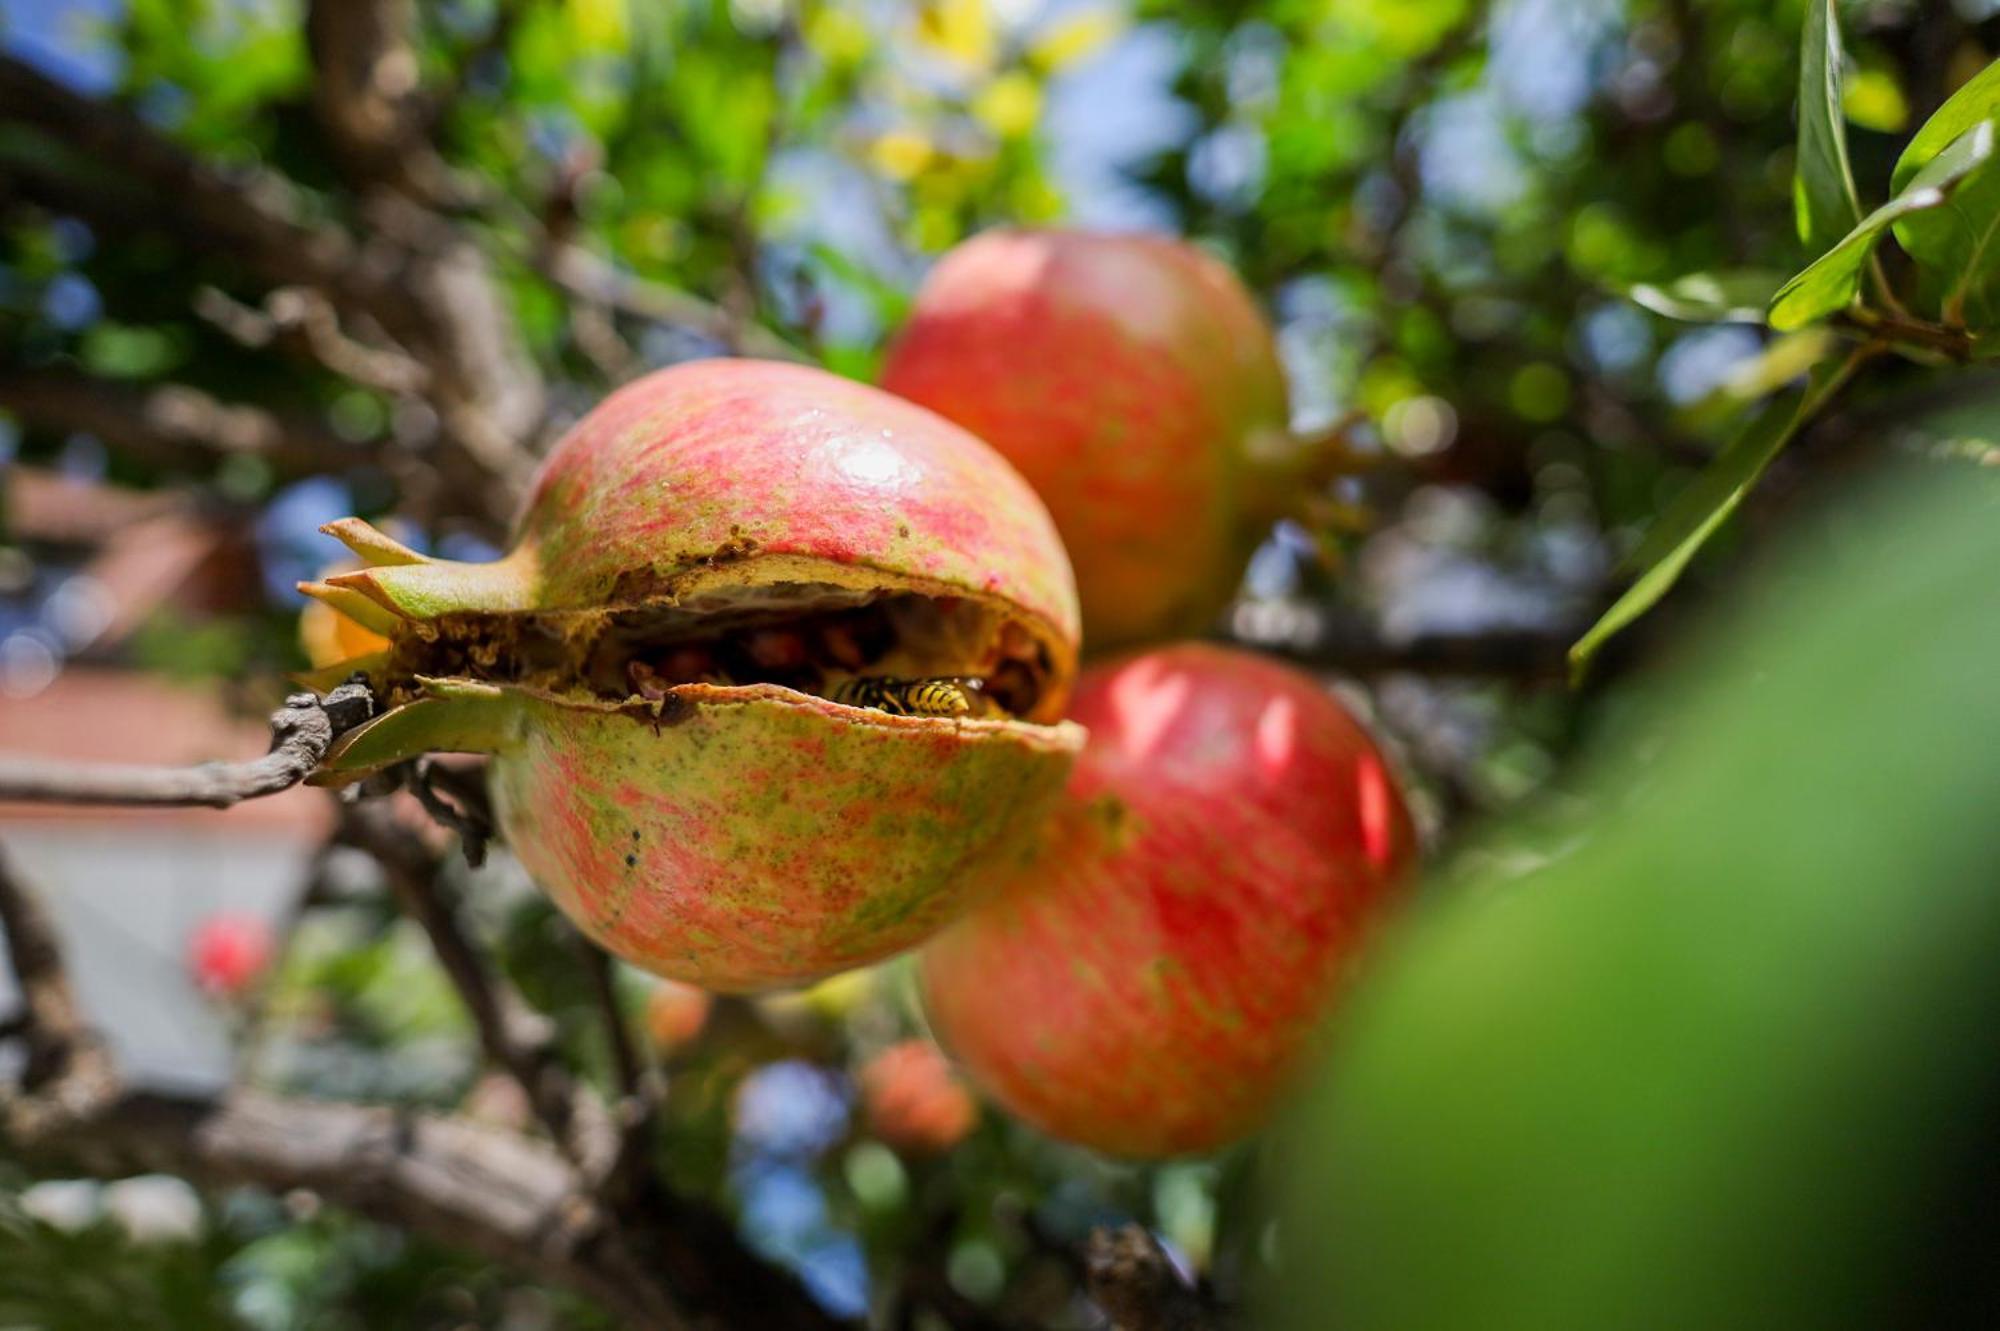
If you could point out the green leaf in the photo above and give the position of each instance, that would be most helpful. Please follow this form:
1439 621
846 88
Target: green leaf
1832 282
1733 296
1697 512
1823 188
1977 101
1957 249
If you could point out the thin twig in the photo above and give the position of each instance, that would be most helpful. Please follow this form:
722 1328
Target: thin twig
305 322
636 1112
455 798
1357 647
515 1037
175 425
1131 1280
301 730
68 1072
598 281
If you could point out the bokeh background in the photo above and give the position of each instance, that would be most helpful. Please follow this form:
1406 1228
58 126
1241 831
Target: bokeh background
239 299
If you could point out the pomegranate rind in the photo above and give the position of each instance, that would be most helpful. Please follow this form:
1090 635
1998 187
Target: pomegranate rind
1148 983
1136 385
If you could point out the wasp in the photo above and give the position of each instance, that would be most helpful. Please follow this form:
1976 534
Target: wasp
913 697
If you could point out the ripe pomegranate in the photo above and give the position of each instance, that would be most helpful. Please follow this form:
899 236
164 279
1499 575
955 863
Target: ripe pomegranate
1137 387
777 662
914 1102
1149 979
675 1013
228 952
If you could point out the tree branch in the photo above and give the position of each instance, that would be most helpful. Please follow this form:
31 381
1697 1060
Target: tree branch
628 1175
417 277
64 1059
1352 645
304 322
468 1186
369 97
676 1266
590 278
515 1037
301 730
252 215
173 425
1132 1281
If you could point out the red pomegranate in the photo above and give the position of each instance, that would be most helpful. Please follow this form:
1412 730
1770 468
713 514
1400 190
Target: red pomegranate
1137 387
228 952
777 663
1148 981
914 1102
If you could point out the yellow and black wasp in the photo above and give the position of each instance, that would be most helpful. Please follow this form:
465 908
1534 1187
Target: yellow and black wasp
914 697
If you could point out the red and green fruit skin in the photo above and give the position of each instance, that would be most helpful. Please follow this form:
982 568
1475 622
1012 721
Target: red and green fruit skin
1135 384
740 837
1150 979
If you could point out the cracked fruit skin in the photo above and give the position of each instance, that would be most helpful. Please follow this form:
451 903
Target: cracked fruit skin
1136 385
1149 981
735 833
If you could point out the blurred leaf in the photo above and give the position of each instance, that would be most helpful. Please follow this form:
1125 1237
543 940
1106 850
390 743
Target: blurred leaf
122 351
1832 283
1723 1064
1784 360
961 31
1697 512
1823 188
1874 100
601 25
1977 101
94 1274
1009 105
1730 296
1074 38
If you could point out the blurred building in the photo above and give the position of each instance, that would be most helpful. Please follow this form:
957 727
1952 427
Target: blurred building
84 567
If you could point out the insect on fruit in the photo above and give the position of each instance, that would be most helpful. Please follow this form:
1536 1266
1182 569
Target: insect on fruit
914 697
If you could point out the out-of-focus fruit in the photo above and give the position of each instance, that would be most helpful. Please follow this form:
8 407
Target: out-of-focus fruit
1150 978
1136 385
913 1100
675 1013
228 952
704 561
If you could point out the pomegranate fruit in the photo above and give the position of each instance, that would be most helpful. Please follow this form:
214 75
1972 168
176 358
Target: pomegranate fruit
1136 385
675 1014
913 1100
228 952
1148 981
707 563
